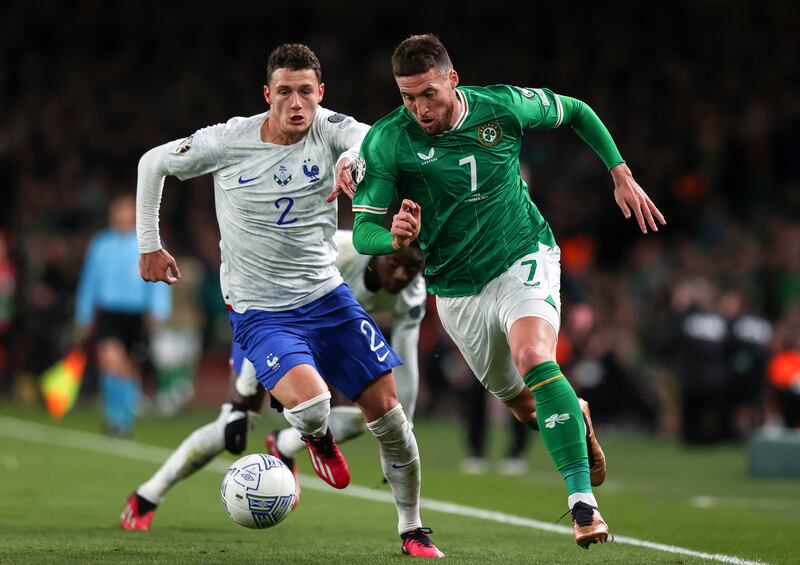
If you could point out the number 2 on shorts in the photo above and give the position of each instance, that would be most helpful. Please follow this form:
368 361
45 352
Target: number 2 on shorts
369 332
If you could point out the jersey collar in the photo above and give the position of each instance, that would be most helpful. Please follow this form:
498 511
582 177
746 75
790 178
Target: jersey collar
464 110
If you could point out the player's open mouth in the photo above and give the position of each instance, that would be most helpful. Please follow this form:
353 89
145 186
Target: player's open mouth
296 120
427 121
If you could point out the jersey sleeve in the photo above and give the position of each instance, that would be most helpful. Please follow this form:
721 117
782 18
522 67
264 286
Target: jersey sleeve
533 108
540 108
344 133
192 157
376 178
376 174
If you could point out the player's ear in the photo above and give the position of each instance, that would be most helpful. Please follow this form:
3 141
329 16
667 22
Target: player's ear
453 78
266 94
321 91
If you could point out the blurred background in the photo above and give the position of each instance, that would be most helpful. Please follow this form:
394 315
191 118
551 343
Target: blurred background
692 333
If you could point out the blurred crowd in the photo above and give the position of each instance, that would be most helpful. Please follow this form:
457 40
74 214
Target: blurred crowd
692 332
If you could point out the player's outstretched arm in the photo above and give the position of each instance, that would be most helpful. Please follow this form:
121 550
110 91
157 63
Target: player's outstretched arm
631 198
159 266
406 224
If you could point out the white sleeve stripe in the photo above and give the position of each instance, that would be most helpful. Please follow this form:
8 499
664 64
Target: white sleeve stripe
560 111
370 209
542 96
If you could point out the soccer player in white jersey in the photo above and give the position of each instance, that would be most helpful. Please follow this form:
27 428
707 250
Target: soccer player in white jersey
290 311
390 284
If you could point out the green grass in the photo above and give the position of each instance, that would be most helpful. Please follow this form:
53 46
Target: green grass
60 503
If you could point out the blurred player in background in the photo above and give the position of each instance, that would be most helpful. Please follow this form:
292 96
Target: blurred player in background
289 309
390 284
452 156
116 308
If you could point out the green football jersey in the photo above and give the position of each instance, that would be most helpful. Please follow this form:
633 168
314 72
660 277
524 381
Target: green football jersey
477 216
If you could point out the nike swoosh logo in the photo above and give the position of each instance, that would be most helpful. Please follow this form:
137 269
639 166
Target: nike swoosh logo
245 181
396 466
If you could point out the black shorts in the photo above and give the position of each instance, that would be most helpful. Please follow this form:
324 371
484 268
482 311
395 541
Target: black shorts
128 328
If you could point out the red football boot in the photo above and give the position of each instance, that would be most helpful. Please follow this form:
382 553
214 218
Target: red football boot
416 543
327 460
137 514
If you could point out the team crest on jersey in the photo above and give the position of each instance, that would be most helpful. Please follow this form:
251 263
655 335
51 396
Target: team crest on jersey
526 92
361 169
336 118
185 145
282 176
313 172
490 134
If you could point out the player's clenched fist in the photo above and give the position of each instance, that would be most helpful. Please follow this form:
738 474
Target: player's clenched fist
158 266
406 224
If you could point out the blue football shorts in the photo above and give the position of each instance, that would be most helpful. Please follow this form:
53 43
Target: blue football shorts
333 334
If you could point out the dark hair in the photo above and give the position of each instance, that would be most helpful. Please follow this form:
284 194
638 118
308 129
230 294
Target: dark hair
418 54
413 250
295 57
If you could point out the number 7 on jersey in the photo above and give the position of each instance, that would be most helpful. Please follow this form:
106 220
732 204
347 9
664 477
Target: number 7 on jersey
473 171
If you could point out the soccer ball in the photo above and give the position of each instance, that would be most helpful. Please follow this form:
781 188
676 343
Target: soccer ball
258 491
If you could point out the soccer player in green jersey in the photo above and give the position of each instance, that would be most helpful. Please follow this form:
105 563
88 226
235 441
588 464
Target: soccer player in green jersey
451 154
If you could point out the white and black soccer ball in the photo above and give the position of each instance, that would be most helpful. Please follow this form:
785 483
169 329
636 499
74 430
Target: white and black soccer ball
258 491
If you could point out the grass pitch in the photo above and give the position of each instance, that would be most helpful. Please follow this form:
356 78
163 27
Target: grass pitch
63 486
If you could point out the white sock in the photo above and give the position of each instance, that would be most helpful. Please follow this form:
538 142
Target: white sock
586 497
311 416
193 454
345 422
400 464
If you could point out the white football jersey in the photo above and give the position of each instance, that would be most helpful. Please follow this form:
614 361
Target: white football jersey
277 231
352 265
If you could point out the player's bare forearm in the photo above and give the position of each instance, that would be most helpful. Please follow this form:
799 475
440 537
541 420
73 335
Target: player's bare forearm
159 266
633 200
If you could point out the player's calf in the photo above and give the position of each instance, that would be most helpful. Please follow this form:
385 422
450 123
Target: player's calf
310 418
597 459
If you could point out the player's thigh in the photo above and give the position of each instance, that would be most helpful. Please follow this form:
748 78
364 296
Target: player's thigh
532 341
112 356
353 353
378 397
529 306
471 323
276 346
300 383
116 334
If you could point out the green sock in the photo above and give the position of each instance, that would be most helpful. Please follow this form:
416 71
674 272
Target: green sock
561 424
577 477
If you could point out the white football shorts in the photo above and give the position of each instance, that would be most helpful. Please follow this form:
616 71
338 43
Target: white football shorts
479 324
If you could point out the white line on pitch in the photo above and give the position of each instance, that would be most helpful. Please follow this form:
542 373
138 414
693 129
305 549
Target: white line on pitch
52 435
